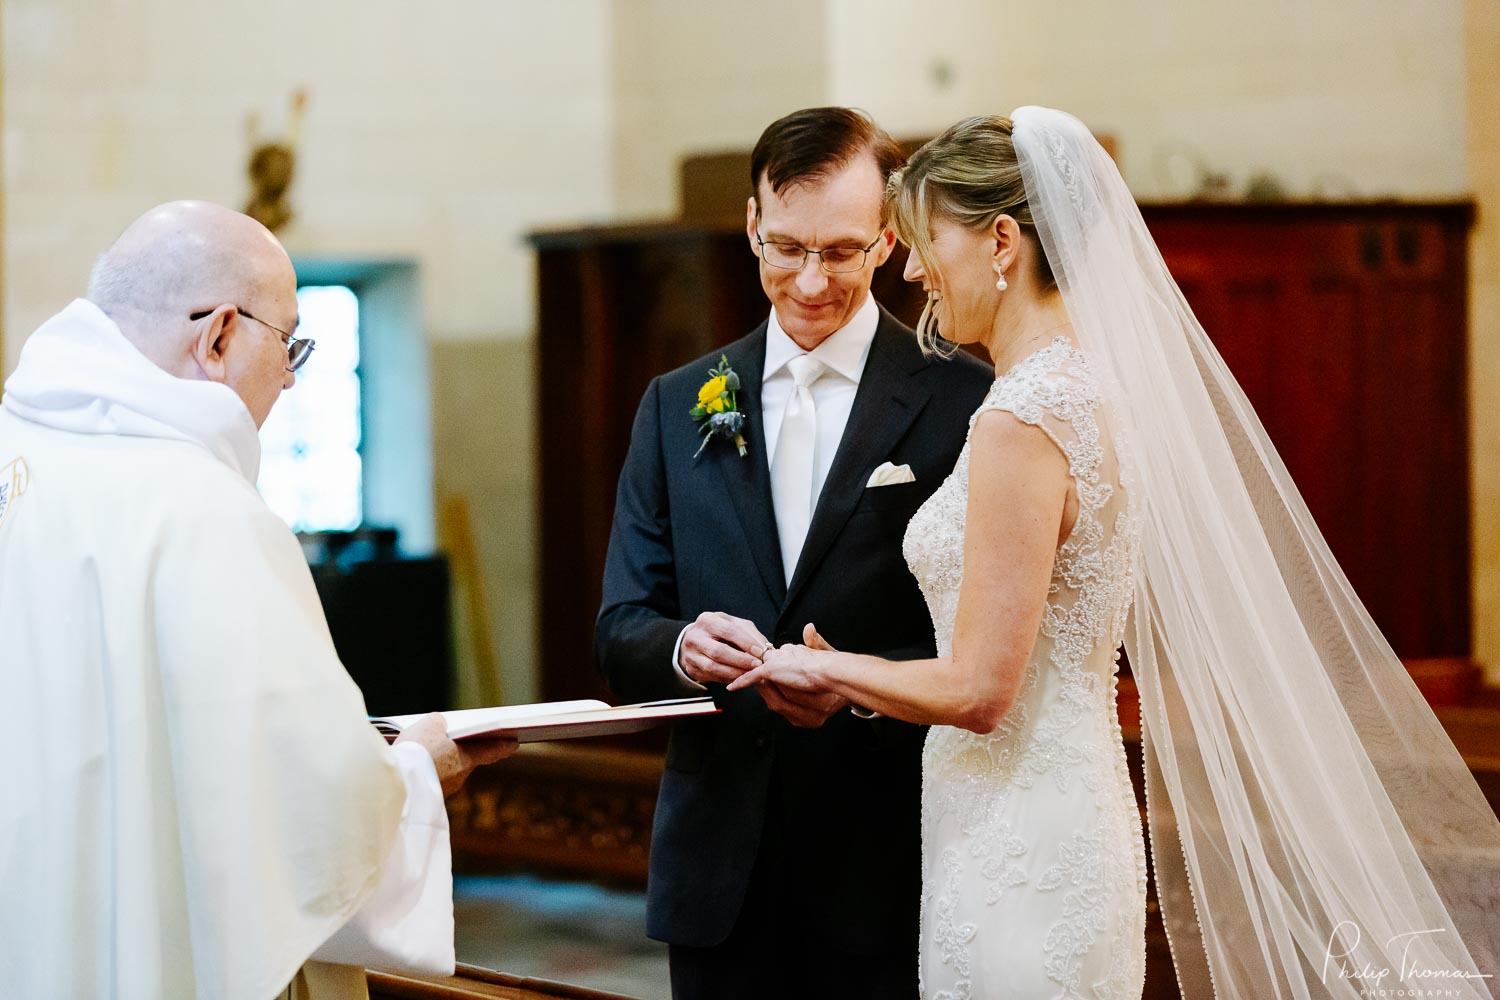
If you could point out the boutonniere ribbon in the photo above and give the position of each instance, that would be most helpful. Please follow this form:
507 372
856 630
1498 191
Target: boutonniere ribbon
717 412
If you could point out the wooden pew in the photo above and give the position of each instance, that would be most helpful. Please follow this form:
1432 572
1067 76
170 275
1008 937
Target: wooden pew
473 983
570 809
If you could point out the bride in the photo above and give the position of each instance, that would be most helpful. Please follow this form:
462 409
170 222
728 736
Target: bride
1314 833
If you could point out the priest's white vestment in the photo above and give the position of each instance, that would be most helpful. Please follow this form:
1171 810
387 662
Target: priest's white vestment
193 803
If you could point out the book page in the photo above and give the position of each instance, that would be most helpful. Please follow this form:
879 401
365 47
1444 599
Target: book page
556 720
466 720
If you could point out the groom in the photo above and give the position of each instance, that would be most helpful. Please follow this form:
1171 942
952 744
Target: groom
785 859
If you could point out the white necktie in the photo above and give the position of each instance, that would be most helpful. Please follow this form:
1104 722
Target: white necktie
792 468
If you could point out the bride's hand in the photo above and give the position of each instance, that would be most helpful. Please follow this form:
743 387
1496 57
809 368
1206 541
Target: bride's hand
792 668
805 709
814 639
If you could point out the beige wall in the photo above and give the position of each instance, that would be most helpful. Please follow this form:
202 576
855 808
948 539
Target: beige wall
1483 43
691 76
438 136
917 74
1370 95
485 451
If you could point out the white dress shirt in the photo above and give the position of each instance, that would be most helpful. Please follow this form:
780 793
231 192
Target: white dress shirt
843 354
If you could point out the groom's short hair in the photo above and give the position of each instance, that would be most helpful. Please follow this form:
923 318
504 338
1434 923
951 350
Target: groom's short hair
809 144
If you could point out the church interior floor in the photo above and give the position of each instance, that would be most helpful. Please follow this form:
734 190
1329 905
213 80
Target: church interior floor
568 932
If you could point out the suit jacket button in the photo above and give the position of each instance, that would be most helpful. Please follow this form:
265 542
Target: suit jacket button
761 742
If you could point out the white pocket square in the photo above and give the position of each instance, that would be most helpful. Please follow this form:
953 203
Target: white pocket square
888 475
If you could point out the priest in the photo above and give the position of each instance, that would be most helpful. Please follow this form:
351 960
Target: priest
193 802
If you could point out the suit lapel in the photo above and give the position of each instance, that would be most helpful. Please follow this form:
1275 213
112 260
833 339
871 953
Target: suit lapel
748 479
884 407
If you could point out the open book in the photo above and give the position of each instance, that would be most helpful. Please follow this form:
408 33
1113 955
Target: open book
555 720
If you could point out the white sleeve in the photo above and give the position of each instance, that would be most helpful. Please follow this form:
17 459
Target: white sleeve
677 666
407 925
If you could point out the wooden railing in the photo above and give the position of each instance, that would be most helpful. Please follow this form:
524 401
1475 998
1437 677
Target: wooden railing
474 983
584 812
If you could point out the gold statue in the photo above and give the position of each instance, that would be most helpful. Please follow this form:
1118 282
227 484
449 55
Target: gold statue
272 167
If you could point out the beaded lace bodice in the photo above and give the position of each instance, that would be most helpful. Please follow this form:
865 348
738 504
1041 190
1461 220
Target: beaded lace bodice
1090 594
1063 729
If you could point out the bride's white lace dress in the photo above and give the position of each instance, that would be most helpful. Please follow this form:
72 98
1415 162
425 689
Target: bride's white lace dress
1034 869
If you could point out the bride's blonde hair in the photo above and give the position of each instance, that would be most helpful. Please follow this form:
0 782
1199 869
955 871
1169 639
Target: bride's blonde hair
969 174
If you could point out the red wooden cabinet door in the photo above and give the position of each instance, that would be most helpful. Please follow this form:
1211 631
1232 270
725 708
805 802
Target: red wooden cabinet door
1346 327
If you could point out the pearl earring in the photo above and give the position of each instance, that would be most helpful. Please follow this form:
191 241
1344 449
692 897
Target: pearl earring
1000 284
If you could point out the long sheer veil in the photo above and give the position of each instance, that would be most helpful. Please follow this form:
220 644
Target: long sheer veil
1314 832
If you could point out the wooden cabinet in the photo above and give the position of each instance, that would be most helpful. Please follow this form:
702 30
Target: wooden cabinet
616 308
1346 325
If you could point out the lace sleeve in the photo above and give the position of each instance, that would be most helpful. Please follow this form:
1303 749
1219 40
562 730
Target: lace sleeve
1053 391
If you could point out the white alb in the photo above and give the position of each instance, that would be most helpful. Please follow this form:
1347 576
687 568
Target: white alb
194 803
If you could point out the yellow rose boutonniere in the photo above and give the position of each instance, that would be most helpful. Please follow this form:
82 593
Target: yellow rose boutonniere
717 412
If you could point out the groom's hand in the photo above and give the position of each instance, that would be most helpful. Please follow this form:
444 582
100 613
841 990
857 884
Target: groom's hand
718 647
806 709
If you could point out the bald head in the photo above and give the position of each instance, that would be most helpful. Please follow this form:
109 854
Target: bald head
180 257
205 293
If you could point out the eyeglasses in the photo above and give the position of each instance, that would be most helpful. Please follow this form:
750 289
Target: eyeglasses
834 260
297 350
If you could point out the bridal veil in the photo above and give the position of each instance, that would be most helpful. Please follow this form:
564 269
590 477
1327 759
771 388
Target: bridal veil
1314 832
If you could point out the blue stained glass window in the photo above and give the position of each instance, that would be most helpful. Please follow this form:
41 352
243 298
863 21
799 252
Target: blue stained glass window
310 468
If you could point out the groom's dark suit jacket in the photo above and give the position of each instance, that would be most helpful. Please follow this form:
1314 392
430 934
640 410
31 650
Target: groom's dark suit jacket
699 534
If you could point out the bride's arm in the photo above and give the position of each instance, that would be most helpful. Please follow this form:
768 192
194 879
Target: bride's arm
1019 508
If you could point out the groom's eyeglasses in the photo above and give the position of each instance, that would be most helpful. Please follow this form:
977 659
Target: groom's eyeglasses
835 260
297 351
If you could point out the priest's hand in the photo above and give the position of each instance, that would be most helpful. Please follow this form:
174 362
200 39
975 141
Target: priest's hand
454 762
